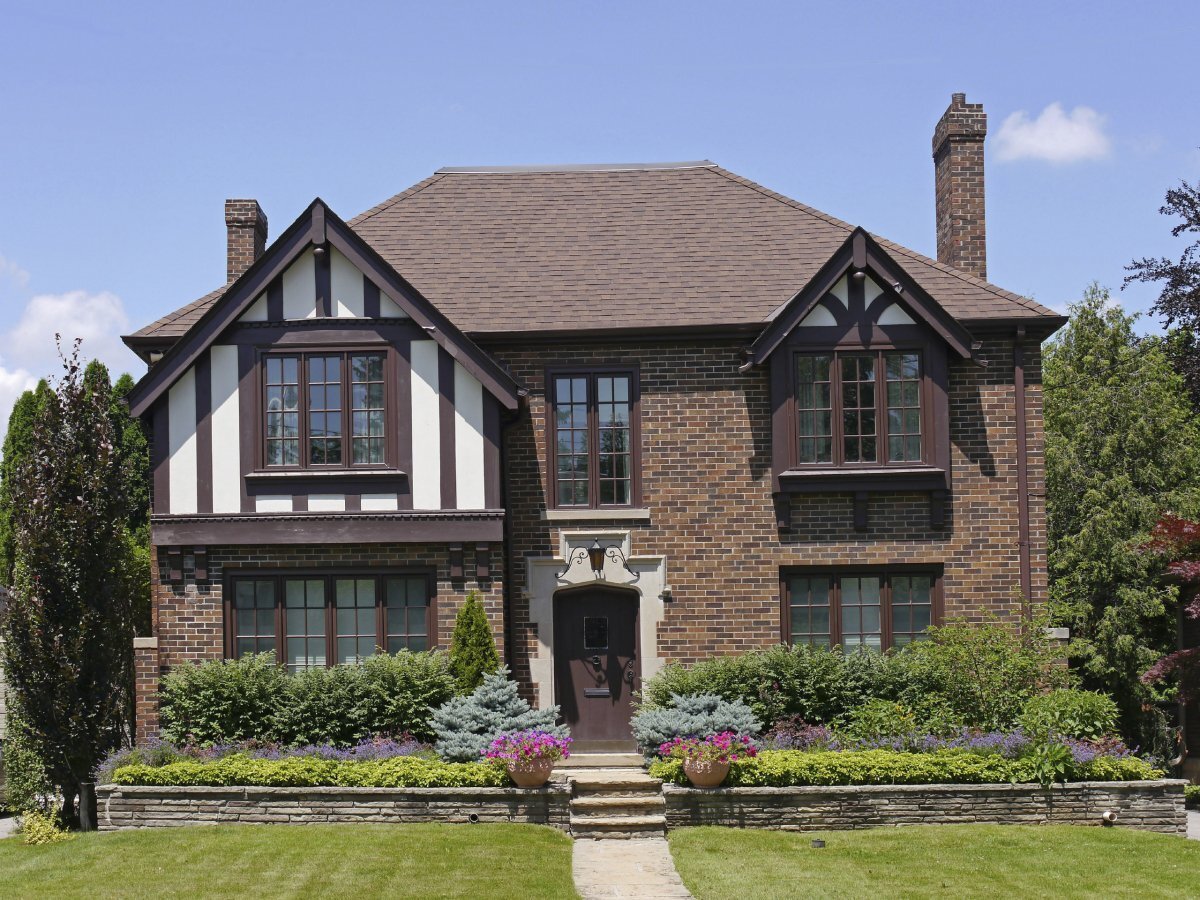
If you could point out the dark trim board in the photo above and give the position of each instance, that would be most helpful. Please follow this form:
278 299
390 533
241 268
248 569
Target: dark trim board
328 528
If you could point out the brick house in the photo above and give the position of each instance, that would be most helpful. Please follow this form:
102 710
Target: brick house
647 412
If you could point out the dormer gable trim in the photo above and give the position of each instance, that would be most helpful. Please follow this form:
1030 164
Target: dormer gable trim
861 254
316 228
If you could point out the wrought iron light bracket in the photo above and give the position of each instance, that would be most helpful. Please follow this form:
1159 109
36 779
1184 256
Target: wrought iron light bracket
595 556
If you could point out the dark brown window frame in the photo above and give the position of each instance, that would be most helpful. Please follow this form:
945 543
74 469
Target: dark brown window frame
635 435
390 413
836 573
880 354
232 576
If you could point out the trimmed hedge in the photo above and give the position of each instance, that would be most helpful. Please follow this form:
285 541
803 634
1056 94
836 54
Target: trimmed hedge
1191 794
794 768
238 771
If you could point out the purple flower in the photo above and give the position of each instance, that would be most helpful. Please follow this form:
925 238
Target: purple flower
525 746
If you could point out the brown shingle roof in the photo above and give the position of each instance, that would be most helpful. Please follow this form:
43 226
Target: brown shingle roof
549 249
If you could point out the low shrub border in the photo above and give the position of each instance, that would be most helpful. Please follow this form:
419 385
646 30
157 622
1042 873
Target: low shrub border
122 807
309 771
1156 805
793 768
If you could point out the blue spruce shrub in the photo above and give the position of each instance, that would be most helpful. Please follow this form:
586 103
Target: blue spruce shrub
694 715
465 726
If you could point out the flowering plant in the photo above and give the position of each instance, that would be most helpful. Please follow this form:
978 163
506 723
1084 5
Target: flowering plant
722 747
527 746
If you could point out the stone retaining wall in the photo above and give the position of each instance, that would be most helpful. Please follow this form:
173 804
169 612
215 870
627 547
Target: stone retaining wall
120 807
1146 805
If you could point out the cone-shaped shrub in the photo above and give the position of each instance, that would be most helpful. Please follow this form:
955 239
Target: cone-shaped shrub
472 648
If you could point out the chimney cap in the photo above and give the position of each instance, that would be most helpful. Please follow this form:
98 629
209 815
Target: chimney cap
245 212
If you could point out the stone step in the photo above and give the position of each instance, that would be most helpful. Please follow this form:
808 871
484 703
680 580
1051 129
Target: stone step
613 781
617 807
601 761
617 826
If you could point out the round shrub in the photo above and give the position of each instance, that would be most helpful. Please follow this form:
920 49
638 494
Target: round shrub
877 719
1086 715
697 715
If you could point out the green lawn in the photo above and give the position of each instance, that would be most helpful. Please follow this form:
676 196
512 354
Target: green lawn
937 861
353 861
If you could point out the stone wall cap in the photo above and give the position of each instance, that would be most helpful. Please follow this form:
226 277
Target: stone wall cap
929 788
239 790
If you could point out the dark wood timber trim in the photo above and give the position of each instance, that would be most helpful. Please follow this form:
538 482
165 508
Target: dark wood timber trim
371 303
879 478
491 453
315 481
322 272
161 452
353 501
251 421
316 226
328 528
321 331
299 501
834 573
275 301
204 460
861 252
1019 413
449 467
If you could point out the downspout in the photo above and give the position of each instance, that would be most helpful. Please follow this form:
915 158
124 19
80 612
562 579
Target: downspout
1022 467
506 533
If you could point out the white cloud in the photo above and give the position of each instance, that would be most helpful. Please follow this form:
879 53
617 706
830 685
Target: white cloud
1054 136
11 272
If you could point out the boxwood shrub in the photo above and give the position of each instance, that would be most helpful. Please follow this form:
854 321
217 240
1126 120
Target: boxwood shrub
254 698
792 768
407 771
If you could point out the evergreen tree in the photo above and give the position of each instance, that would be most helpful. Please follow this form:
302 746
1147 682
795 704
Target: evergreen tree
472 648
18 445
1122 444
466 726
68 632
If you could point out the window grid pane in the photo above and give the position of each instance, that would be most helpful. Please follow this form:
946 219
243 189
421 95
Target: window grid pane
862 624
407 614
282 405
325 410
614 463
808 599
355 602
367 407
304 622
904 406
912 608
858 408
814 409
571 441
254 616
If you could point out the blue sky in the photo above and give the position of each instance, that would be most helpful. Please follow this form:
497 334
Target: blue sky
125 126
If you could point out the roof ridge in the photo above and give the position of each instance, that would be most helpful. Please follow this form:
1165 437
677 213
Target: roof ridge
396 198
1026 302
575 168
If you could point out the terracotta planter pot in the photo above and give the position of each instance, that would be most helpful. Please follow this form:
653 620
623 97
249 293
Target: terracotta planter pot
704 774
532 773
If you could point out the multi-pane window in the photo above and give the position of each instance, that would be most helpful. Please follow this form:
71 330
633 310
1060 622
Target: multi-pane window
858 408
593 439
310 619
307 397
254 616
872 609
366 397
407 614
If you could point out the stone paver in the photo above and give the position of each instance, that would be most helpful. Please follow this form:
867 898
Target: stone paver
613 870
1194 824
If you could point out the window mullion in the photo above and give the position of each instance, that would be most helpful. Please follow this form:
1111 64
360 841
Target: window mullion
885 612
593 412
881 425
835 379
835 611
280 622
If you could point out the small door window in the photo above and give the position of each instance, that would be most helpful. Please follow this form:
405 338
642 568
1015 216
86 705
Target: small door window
595 633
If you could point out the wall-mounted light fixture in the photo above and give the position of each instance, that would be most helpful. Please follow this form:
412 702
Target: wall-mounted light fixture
595 556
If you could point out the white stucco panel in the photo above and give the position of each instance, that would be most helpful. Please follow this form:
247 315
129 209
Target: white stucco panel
226 430
300 288
468 440
181 444
426 476
346 286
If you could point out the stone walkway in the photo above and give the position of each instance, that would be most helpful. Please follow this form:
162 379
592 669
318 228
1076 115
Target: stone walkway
638 867
1194 824
8 826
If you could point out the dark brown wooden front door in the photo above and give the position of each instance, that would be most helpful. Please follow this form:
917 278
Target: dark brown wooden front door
596 668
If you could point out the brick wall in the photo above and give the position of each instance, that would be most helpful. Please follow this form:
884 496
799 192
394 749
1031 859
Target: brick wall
959 186
706 480
188 615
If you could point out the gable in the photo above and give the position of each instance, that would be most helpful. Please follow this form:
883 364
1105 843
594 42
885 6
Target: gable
320 269
888 299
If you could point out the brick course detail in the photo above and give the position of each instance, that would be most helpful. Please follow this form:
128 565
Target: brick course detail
1144 805
121 807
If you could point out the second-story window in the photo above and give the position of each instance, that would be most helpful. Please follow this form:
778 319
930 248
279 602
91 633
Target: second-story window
858 408
307 397
593 439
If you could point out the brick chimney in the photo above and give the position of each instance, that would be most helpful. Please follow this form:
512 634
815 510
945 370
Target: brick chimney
246 235
958 185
